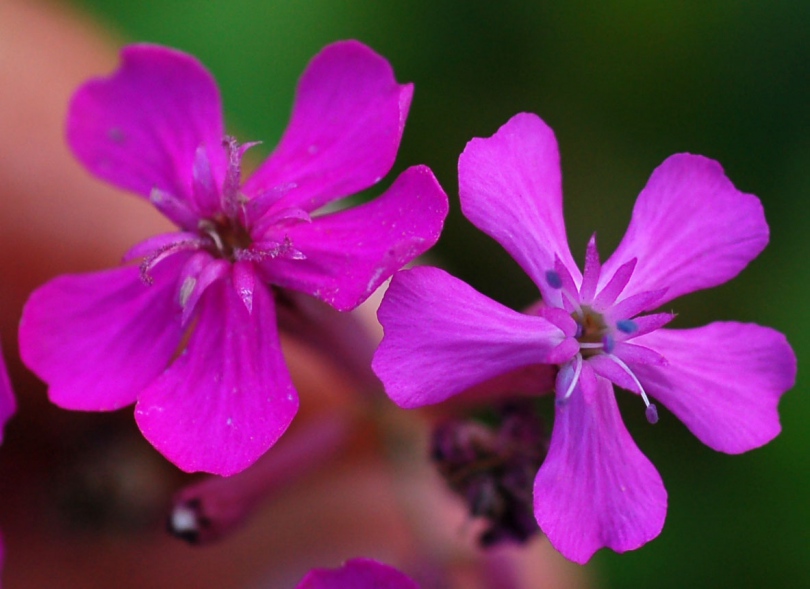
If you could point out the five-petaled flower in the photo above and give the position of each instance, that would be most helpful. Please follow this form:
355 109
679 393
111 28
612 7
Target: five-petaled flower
690 229
190 334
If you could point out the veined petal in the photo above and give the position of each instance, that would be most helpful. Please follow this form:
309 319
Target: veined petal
358 573
351 252
141 127
442 337
724 381
511 189
595 488
98 339
229 396
345 129
691 229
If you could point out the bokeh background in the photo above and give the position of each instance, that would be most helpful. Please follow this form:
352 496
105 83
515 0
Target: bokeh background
624 84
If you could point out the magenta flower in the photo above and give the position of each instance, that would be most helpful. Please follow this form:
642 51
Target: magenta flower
358 573
8 404
691 229
191 334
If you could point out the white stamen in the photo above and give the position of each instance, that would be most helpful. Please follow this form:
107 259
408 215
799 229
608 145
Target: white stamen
651 411
626 368
217 240
186 289
575 379
591 346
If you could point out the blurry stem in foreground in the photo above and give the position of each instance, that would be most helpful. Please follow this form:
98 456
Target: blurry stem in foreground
211 509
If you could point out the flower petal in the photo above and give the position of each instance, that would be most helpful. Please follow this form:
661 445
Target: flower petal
593 269
348 254
723 380
345 129
97 339
595 488
510 188
691 229
141 127
358 573
229 396
8 405
442 337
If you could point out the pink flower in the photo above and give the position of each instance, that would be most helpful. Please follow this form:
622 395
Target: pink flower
191 334
8 404
691 229
358 573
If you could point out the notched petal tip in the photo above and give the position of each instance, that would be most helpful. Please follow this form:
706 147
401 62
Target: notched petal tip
139 127
595 488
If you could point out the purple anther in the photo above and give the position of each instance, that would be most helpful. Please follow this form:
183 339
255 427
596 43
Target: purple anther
553 279
652 413
609 343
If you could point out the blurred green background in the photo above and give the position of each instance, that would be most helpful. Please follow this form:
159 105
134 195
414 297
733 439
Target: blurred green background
624 84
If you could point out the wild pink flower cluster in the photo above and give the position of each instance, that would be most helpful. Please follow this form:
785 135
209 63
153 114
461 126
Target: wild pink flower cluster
187 328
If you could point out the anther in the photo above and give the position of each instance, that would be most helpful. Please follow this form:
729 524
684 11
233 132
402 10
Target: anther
652 413
553 279
627 326
608 343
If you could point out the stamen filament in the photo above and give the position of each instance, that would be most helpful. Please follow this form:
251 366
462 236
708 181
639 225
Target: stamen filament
651 411
575 379
591 346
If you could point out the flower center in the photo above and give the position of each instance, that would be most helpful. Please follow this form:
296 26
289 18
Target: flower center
228 236
593 333
595 338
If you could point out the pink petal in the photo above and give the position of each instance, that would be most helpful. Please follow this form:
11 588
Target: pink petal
358 573
228 397
141 127
691 229
510 188
194 287
595 488
97 339
724 381
593 269
244 282
613 286
8 404
442 337
345 130
350 253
